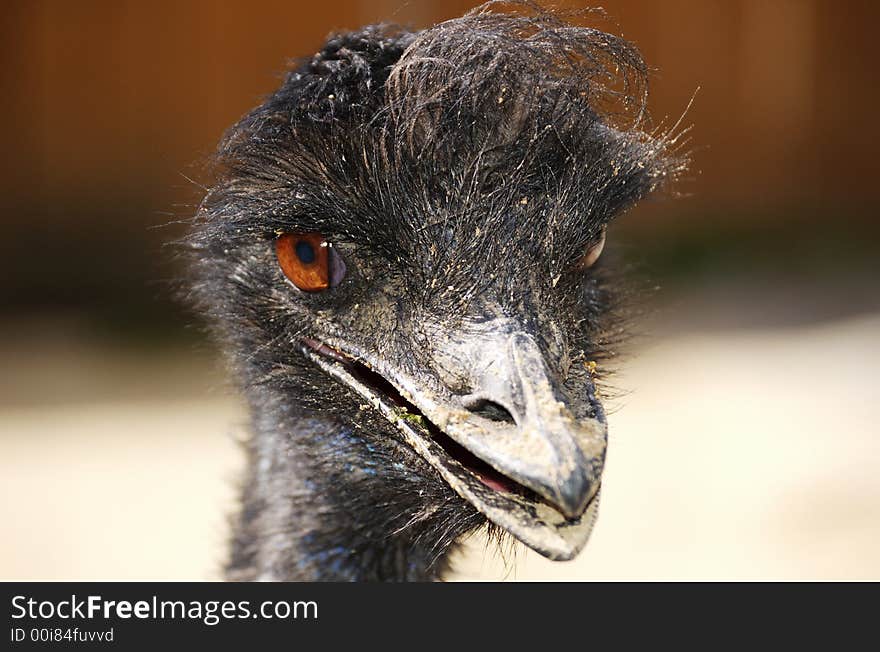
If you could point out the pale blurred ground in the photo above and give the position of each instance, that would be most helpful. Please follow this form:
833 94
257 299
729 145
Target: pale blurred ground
748 453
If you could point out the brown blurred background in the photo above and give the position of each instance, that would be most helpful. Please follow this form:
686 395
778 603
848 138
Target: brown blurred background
768 266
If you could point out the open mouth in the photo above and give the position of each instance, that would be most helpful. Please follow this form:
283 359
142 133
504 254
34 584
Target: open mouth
479 468
504 501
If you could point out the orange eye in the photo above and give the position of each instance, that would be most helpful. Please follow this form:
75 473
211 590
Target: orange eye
309 261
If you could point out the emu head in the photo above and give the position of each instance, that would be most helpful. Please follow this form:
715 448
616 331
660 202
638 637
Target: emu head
403 245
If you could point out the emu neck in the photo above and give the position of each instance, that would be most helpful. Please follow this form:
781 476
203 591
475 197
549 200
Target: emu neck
316 507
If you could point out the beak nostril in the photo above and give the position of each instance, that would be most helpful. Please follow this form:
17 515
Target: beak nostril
490 410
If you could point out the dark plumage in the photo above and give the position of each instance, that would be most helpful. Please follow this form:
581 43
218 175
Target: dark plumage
461 173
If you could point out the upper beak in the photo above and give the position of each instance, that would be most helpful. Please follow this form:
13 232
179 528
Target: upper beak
528 433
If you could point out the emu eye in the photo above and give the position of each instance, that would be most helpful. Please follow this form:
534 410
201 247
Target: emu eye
309 261
593 252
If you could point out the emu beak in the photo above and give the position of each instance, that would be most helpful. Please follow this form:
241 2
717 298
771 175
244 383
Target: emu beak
511 446
514 421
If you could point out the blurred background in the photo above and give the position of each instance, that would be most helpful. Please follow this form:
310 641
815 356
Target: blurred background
745 444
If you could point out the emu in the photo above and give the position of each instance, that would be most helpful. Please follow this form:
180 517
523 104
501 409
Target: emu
400 255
